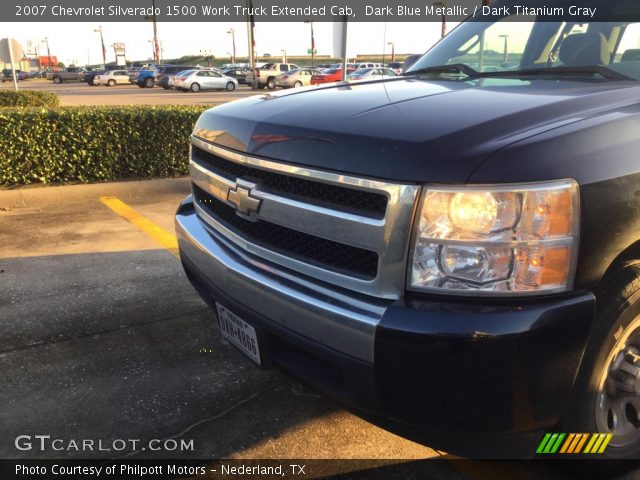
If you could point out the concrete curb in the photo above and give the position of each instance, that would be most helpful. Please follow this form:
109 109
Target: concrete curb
70 194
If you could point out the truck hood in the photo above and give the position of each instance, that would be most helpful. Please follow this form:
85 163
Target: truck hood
406 129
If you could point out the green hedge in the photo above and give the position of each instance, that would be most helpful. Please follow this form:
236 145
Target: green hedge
84 144
28 98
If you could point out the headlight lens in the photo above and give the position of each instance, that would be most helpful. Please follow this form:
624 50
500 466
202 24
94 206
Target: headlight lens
501 240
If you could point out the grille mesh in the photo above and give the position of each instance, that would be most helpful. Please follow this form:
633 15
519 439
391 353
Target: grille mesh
324 253
339 198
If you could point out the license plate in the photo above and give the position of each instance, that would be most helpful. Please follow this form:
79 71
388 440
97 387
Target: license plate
239 333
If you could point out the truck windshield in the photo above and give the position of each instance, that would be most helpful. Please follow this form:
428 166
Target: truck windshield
517 45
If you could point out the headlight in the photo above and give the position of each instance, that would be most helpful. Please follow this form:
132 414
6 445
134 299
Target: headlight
496 240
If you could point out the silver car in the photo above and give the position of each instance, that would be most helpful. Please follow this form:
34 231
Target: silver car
111 78
296 78
196 80
371 74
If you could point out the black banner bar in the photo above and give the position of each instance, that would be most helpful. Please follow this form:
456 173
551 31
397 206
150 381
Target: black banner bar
316 10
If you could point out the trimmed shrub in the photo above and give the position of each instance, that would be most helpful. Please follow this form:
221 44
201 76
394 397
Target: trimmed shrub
28 98
84 144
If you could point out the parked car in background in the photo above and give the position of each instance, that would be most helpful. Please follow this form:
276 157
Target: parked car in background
112 78
409 61
329 75
266 75
371 74
360 66
162 74
90 77
296 78
71 74
239 73
133 74
7 75
145 77
171 82
395 66
196 80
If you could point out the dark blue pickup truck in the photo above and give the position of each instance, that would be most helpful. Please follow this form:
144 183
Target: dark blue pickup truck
455 253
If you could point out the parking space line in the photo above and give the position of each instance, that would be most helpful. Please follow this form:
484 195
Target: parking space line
159 234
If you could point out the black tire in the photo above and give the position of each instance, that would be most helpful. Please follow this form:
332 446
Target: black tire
614 340
195 87
167 88
141 85
261 87
57 80
230 87
297 84
148 82
271 83
111 83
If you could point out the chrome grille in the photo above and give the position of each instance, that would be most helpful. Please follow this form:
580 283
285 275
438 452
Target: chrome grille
308 248
351 239
346 199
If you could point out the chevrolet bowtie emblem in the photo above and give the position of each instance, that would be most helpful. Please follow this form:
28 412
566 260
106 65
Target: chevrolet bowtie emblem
241 198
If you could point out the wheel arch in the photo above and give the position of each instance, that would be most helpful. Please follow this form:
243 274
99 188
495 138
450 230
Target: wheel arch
628 256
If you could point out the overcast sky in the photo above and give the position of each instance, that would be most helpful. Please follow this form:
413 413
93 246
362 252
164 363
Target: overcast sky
78 43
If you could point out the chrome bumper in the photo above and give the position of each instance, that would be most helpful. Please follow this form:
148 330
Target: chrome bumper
344 322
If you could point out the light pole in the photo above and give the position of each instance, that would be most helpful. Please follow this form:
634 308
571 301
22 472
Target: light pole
313 43
506 47
232 32
393 51
104 50
284 56
46 40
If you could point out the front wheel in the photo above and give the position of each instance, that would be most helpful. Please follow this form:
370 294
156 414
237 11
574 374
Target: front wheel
195 88
271 83
298 84
607 398
57 80
231 86
148 82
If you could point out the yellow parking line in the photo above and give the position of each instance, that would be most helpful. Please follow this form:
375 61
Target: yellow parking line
160 235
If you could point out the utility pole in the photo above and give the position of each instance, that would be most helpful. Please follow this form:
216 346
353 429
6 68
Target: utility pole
46 40
506 47
233 44
252 46
104 50
156 47
393 51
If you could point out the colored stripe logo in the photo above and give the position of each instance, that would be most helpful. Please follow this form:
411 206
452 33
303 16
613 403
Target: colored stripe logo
572 443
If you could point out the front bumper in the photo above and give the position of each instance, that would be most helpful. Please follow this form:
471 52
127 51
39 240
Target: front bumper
480 379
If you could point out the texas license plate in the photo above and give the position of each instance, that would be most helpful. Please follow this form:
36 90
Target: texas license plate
239 333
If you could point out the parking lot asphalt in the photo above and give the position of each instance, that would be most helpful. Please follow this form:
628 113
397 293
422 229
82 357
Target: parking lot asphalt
79 93
104 338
